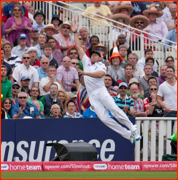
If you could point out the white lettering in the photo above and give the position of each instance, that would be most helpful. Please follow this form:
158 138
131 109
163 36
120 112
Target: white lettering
97 144
21 151
3 150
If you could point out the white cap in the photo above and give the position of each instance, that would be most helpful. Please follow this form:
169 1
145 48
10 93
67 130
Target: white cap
32 49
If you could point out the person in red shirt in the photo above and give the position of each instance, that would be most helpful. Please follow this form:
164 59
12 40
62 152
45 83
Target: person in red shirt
33 60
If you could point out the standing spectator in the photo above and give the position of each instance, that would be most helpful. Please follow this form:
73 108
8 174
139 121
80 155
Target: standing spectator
123 53
26 69
22 48
34 37
64 38
29 6
25 82
168 92
94 40
12 59
84 35
15 91
62 96
166 12
155 27
49 99
163 74
138 71
123 101
6 86
42 71
45 83
55 111
39 17
67 74
71 110
33 60
151 61
23 108
56 22
6 105
16 25
170 61
9 69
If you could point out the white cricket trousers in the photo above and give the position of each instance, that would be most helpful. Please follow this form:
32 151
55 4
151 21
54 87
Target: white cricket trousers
101 101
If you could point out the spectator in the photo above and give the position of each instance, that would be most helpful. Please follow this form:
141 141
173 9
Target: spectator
55 111
75 63
12 59
141 62
34 37
49 99
39 46
33 60
151 104
138 104
47 51
67 74
115 71
57 54
64 38
22 48
16 25
123 101
9 69
155 27
42 71
25 82
112 5
71 110
32 11
138 71
29 6
37 104
39 17
170 61
166 12
6 86
168 92
170 20
7 104
151 61
45 83
56 22
15 91
34 93
125 7
94 40
26 69
123 53
23 108
84 35
62 96
163 74
100 10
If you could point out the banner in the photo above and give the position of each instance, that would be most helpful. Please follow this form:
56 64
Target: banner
25 139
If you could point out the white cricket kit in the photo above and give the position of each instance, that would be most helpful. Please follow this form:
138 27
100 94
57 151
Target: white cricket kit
101 100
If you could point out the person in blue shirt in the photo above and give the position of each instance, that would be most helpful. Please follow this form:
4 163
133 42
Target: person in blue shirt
23 108
42 71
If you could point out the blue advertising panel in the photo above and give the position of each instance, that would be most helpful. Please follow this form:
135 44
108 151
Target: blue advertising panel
30 137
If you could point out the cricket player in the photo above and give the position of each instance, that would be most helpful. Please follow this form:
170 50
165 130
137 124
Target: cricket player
100 99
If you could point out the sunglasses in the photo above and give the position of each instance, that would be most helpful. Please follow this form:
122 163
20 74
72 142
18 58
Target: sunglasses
100 49
122 88
65 27
34 90
26 57
138 22
153 89
15 87
66 61
22 97
75 63
17 9
44 62
170 60
7 103
73 53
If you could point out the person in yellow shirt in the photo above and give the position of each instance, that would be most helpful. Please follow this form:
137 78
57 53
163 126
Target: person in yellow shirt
98 9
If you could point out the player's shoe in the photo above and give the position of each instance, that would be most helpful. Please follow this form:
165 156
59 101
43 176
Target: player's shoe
135 135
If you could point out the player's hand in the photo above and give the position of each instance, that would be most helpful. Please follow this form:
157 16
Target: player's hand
81 72
74 27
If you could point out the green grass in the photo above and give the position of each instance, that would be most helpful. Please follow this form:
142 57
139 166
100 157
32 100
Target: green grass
91 175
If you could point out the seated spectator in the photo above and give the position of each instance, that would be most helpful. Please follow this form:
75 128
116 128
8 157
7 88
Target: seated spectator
124 7
123 101
42 71
98 9
39 17
28 6
138 71
22 48
49 99
166 12
12 59
16 25
6 86
39 46
115 71
23 108
47 51
84 35
34 93
56 22
170 61
15 91
55 111
94 40
37 104
67 74
62 96
45 83
25 82
170 20
57 54
33 60
7 104
34 37
71 110
150 103
64 38
155 27
151 61
163 74
9 69
141 62
26 69
138 104
123 53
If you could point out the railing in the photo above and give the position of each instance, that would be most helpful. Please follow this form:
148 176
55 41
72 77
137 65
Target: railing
105 32
151 150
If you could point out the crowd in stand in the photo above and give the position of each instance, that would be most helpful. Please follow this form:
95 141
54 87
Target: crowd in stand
40 65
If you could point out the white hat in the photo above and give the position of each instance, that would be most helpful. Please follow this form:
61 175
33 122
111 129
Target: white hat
32 49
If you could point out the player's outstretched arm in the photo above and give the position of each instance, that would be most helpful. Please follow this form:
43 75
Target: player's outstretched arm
98 74
77 41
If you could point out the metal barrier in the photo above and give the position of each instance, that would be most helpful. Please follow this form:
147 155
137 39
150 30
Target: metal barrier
165 130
